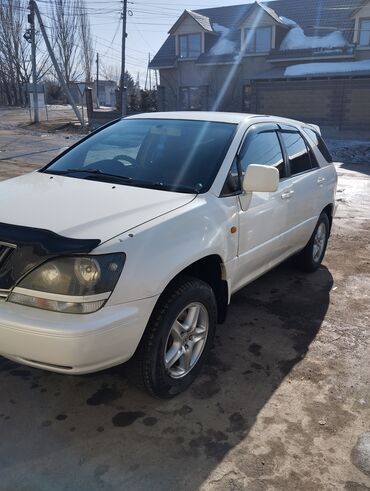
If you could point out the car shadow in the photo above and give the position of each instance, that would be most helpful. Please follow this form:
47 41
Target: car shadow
100 431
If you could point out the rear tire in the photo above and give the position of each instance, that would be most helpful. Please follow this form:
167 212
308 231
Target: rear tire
310 259
177 340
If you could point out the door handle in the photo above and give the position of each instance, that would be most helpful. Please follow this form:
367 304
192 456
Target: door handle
287 194
320 180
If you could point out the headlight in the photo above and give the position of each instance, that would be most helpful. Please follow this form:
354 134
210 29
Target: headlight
76 284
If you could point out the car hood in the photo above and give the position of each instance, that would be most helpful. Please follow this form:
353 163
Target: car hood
82 209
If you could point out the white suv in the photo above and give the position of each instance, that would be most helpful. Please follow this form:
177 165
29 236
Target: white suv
130 244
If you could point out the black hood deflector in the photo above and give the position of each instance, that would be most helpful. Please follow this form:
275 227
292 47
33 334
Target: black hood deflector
33 247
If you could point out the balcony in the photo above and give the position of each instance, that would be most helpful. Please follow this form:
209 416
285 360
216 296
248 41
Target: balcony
277 55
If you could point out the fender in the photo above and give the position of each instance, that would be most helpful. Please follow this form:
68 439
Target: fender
164 247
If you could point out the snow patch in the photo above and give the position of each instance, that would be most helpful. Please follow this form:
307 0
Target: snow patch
288 22
223 46
324 68
220 29
297 39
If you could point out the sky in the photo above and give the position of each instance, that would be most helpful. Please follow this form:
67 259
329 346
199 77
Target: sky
147 25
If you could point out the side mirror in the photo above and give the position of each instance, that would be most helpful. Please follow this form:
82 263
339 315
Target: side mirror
261 178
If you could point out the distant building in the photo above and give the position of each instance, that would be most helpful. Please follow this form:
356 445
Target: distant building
307 60
107 92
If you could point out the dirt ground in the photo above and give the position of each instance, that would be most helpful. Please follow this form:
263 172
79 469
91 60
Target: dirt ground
283 404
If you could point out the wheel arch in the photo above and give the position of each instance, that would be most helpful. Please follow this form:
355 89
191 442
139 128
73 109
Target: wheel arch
211 270
328 210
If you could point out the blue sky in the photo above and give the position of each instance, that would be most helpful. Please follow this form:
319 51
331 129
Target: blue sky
147 28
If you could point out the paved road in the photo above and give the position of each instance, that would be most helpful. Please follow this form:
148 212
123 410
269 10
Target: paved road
280 406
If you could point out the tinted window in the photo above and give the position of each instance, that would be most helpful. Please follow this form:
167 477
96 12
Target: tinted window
263 39
169 154
365 33
319 142
190 45
263 149
296 148
183 45
258 40
194 45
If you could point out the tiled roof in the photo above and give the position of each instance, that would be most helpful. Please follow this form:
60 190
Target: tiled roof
316 17
201 19
166 56
272 13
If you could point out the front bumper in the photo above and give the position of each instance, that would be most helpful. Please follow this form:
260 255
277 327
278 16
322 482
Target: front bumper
71 343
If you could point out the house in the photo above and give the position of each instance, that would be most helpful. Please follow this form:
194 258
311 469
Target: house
308 60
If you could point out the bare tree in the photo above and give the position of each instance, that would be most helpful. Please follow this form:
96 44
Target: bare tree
65 33
86 42
14 52
112 72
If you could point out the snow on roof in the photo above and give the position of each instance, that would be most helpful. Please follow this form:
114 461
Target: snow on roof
327 68
220 29
296 39
223 46
288 22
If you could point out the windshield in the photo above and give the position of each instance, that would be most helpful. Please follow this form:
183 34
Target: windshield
169 154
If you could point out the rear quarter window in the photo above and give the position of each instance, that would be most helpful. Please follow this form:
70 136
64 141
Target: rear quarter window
317 140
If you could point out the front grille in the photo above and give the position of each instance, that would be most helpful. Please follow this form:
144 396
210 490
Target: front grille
6 250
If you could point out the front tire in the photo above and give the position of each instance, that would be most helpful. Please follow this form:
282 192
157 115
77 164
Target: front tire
177 339
310 259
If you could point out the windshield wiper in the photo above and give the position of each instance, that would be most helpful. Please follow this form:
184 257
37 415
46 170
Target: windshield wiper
98 174
93 172
176 188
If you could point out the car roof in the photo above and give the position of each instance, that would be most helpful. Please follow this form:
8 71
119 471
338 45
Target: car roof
220 117
214 116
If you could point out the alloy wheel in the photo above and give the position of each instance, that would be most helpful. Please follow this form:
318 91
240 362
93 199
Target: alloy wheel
186 340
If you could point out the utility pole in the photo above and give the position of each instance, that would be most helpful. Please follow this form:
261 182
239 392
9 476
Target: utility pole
123 59
97 80
55 63
150 73
31 21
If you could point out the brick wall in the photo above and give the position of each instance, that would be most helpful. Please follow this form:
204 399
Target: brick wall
343 103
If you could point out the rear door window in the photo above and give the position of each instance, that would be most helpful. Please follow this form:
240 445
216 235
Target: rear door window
297 151
316 138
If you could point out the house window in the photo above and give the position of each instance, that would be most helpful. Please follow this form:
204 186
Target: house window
364 33
258 40
193 98
190 45
247 96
